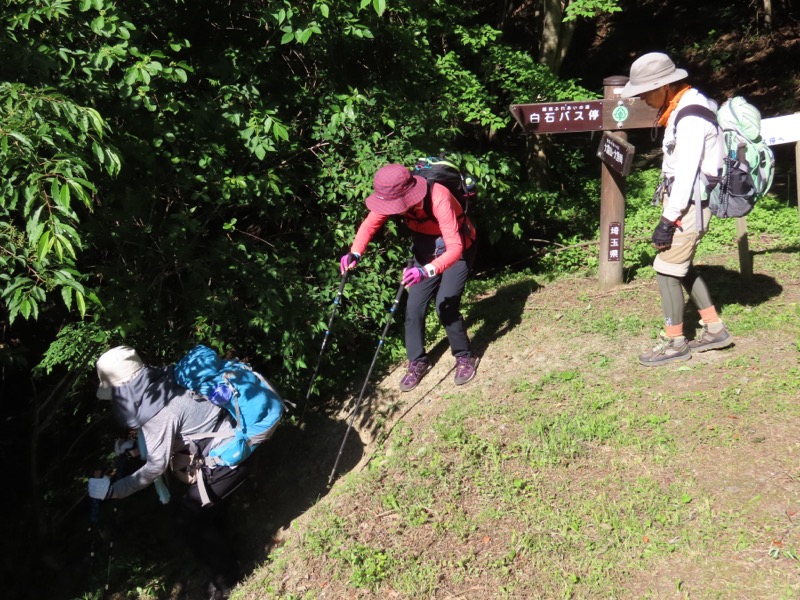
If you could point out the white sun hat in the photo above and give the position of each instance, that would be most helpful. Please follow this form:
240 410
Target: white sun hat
117 367
651 71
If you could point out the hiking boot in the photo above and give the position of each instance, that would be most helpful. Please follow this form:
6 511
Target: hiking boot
417 369
666 351
711 341
466 367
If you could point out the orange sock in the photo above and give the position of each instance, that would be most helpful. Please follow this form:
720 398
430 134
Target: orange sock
709 315
674 331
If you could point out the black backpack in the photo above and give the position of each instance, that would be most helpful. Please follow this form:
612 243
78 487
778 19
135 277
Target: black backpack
437 169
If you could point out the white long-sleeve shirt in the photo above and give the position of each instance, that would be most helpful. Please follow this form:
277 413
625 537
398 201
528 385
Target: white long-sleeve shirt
695 142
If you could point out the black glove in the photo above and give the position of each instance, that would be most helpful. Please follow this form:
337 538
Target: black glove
662 234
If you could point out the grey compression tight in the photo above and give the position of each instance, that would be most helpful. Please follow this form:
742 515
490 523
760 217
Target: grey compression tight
672 294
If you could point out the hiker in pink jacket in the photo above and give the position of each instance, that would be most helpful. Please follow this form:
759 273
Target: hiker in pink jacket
444 251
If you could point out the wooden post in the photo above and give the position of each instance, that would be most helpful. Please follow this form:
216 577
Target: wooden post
745 259
612 203
797 175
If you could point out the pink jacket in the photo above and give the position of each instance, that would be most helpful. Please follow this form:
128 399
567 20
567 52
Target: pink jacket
449 222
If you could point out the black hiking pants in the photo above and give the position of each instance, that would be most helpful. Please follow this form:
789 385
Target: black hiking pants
448 287
204 528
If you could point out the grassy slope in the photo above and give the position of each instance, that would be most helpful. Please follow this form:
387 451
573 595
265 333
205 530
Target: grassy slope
566 469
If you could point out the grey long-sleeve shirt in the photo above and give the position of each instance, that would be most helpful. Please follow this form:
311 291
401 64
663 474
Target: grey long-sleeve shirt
165 433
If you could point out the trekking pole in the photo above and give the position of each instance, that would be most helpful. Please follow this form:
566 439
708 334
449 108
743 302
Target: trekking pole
389 320
336 302
110 544
94 518
94 513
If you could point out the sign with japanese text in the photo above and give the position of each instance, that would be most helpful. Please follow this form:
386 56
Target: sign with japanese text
561 117
587 115
614 241
616 153
781 130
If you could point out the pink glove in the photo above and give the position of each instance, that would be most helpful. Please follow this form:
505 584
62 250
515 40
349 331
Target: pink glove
413 276
348 261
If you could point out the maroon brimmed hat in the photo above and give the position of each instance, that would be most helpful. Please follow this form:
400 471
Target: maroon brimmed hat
396 190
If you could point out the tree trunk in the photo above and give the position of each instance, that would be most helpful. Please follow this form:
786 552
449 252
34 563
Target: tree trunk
768 14
556 34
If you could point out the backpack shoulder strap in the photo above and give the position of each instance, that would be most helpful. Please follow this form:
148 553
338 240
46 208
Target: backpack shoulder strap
427 202
697 110
705 113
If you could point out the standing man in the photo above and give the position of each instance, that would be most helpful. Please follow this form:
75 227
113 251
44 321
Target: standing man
693 151
444 251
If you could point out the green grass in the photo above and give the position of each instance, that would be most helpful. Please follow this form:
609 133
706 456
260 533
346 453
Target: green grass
566 470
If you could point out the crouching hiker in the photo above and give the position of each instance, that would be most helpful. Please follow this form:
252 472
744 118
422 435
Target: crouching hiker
444 251
173 421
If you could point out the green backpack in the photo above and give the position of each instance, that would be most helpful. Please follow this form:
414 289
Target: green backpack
748 165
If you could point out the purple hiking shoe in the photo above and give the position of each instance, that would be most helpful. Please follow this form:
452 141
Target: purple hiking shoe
466 367
417 369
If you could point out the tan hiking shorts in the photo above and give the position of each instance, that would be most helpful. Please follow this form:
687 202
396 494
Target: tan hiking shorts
678 258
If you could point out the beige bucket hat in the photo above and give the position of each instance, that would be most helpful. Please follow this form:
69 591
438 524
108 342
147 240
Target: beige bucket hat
651 71
117 367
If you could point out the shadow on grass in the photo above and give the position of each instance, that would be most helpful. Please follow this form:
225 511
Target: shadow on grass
288 475
291 475
496 315
730 287
499 313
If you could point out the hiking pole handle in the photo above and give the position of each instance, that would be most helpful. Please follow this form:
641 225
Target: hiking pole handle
356 408
337 300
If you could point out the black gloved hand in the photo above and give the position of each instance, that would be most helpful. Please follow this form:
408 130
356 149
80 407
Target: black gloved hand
662 234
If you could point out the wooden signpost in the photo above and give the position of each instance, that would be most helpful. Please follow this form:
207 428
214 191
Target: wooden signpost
612 115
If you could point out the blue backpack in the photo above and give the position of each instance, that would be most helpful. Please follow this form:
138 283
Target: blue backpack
231 384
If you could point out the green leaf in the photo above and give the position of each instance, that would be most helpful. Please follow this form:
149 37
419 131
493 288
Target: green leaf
44 246
80 300
66 296
99 155
63 196
25 308
279 131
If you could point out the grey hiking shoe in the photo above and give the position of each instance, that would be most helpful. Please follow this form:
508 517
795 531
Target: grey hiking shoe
711 341
466 367
666 351
417 369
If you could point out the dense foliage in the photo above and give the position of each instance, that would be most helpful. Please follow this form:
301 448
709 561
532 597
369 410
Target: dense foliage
190 172
198 168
